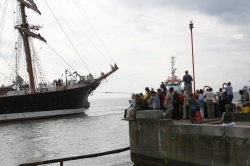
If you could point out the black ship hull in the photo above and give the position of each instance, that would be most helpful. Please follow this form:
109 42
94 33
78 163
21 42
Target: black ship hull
47 104
25 91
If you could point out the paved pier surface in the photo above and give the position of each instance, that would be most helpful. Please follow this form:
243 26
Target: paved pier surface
240 119
216 122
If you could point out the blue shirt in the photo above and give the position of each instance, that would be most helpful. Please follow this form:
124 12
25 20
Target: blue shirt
156 102
187 79
229 90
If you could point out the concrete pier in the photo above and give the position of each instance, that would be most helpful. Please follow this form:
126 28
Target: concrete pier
155 140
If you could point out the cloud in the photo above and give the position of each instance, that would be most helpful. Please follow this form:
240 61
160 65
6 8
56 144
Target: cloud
228 11
238 36
141 36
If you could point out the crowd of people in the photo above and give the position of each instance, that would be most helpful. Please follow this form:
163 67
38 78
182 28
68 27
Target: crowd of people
186 104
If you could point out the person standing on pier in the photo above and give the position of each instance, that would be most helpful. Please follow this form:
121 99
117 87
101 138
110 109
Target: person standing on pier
219 95
182 103
229 90
187 79
193 107
168 104
222 102
176 104
210 103
160 94
201 102
163 87
186 109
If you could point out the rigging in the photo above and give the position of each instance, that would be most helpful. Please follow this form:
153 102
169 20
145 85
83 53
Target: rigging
60 56
67 36
77 36
91 25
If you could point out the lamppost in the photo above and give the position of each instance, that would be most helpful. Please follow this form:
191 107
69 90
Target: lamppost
191 27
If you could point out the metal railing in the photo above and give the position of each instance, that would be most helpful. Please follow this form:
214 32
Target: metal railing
61 160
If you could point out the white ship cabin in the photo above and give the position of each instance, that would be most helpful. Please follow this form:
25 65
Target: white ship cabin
175 83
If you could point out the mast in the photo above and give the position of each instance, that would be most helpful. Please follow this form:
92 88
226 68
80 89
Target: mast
173 69
27 49
26 33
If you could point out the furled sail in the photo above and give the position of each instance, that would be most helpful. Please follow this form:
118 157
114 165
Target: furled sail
30 4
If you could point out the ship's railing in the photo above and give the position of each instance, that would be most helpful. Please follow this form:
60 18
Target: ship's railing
61 160
50 87
172 77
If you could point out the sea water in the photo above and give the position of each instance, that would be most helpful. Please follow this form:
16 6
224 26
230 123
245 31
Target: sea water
100 129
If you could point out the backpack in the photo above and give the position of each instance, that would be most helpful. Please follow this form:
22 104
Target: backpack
182 98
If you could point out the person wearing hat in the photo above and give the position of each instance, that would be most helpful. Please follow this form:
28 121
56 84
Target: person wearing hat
187 79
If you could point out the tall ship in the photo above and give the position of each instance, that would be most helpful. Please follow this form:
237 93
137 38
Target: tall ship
173 80
25 92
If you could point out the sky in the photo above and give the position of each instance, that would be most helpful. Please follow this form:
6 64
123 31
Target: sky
141 36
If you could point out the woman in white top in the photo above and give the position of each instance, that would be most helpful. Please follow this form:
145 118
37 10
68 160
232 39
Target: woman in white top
210 103
201 103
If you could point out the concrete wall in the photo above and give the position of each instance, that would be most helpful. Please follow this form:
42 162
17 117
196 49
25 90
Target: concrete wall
160 142
242 117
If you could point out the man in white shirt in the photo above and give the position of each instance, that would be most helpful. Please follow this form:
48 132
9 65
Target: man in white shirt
210 103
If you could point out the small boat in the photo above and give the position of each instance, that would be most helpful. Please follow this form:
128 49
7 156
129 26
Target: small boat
25 92
173 81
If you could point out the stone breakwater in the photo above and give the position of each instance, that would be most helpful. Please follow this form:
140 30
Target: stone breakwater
158 141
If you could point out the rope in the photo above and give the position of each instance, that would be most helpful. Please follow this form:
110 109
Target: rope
60 56
114 92
91 25
6 76
67 36
77 36
106 81
6 63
